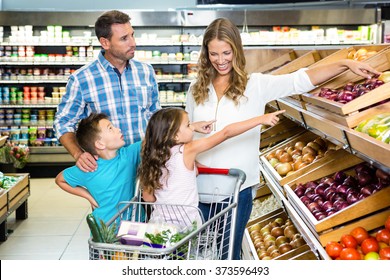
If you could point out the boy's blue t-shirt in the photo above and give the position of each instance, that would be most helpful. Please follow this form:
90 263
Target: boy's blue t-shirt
112 182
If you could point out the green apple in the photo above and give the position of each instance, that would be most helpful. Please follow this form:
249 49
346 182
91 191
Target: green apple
371 256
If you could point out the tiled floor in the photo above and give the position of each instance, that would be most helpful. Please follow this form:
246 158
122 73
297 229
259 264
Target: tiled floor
54 230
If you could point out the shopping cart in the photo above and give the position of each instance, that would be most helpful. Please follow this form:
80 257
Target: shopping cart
184 240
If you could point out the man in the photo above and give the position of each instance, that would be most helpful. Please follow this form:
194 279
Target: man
124 89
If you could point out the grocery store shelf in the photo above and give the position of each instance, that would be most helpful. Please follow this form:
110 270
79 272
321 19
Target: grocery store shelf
38 105
50 155
40 81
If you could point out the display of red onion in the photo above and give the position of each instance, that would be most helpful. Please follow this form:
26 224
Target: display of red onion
329 195
350 91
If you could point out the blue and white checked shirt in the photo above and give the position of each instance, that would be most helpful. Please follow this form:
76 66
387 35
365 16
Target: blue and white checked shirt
128 99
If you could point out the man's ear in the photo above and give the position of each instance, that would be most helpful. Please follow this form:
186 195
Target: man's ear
104 42
100 145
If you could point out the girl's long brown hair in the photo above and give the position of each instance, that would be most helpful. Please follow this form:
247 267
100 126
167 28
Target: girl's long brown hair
159 138
224 30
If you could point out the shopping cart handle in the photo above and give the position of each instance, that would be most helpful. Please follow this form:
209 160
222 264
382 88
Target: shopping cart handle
224 171
208 170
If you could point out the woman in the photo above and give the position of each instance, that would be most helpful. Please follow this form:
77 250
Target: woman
224 91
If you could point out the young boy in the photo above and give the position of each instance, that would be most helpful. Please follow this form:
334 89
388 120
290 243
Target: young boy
115 178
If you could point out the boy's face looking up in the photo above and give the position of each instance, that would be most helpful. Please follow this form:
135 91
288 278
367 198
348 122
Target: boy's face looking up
111 137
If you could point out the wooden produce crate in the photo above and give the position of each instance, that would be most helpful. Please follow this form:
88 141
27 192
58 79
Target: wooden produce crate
271 214
325 127
295 100
350 120
369 146
11 198
377 201
267 149
369 222
17 192
306 137
303 61
262 191
343 54
306 255
273 105
275 134
327 58
3 139
262 221
278 62
3 204
381 62
293 111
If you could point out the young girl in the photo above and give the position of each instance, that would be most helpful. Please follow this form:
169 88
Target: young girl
167 172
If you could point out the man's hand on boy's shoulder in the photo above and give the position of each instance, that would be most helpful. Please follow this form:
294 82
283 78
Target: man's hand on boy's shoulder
87 162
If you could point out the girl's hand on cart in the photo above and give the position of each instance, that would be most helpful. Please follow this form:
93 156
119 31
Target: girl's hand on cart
197 164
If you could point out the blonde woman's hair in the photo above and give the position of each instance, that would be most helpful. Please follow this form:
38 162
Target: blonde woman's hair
224 30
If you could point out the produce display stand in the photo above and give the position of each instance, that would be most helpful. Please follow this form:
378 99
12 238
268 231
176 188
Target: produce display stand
350 120
264 220
369 222
293 109
14 199
318 164
304 61
278 62
273 104
275 134
325 127
300 62
329 127
343 53
247 245
369 147
334 122
375 202
380 62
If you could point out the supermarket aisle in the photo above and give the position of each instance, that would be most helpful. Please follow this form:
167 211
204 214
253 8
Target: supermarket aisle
54 230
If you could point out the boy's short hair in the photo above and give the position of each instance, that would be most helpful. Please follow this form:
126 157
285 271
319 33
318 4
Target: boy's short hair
88 131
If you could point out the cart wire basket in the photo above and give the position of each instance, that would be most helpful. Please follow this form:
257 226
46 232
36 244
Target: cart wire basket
183 239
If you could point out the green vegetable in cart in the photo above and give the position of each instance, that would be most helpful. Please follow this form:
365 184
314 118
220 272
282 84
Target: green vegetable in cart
108 233
94 228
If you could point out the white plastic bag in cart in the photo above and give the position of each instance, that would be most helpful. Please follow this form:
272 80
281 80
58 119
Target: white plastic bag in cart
214 188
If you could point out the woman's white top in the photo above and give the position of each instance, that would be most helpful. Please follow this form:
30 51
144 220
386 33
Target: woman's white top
242 151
